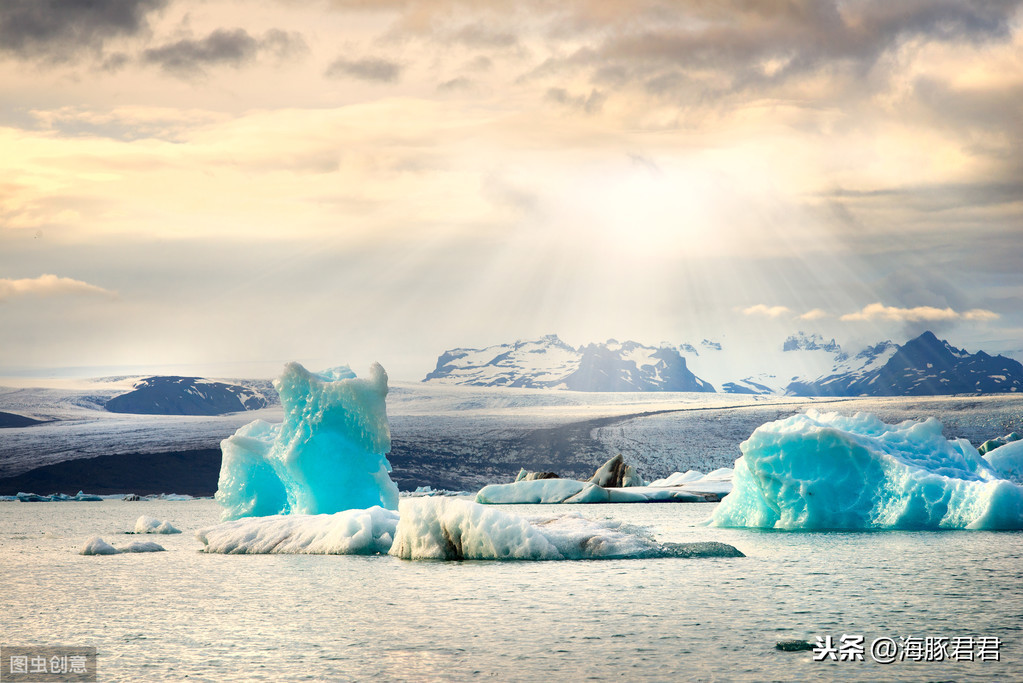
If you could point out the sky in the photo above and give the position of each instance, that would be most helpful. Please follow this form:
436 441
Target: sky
219 187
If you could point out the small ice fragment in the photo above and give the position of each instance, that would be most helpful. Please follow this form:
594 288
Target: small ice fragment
151 525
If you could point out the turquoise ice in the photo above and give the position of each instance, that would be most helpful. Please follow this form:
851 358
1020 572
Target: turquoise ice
828 471
328 455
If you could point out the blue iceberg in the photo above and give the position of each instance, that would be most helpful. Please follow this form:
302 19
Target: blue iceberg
828 471
328 455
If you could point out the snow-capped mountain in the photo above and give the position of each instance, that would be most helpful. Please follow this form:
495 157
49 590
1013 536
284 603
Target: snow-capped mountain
551 363
925 366
168 395
752 367
802 365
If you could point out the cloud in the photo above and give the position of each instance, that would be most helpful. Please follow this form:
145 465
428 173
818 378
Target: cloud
366 69
57 29
188 57
814 314
590 104
456 84
48 285
767 311
480 35
878 311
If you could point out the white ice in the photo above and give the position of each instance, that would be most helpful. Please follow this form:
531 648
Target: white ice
150 525
447 529
828 471
97 546
327 456
351 532
571 491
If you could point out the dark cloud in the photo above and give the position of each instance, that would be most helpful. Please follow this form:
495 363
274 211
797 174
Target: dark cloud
482 35
591 104
766 44
367 69
235 48
58 29
937 197
457 84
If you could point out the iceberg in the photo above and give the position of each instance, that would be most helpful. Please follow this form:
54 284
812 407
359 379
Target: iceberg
97 546
828 471
328 455
446 529
151 525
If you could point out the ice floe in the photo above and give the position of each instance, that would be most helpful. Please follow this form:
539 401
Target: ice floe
447 529
351 532
151 525
573 491
97 546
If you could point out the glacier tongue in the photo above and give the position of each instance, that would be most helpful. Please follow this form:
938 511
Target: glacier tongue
828 471
327 456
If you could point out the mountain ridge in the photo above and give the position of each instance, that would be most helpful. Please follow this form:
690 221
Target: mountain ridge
807 365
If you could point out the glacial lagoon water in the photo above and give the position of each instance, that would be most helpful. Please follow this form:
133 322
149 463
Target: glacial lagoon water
185 614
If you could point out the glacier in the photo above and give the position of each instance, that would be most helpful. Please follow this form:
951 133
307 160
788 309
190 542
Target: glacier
328 455
446 529
828 471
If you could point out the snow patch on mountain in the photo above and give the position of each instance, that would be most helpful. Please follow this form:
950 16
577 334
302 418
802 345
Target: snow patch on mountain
549 363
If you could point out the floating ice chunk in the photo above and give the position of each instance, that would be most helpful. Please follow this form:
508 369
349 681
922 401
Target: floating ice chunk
828 471
97 546
572 491
32 497
151 525
351 532
1007 460
457 529
142 547
532 491
445 529
327 456
719 481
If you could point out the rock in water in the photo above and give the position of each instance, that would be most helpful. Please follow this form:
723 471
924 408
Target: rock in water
793 646
828 471
615 474
328 455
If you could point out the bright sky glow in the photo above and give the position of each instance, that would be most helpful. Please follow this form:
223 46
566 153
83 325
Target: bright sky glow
222 186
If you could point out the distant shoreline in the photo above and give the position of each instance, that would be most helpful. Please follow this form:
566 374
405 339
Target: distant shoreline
190 472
